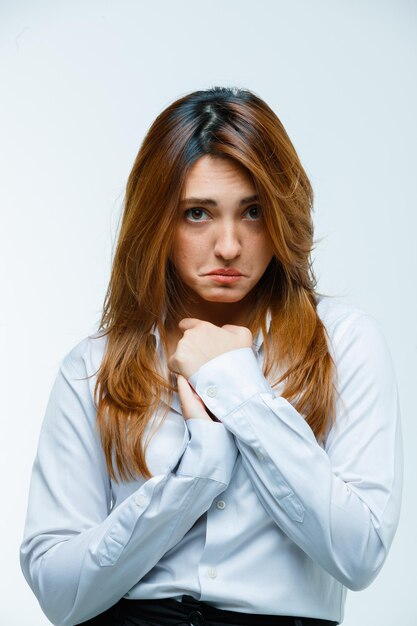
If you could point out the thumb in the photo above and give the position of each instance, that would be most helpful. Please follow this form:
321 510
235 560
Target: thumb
191 403
232 328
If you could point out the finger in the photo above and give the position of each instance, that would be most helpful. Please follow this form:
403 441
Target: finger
191 403
188 397
172 364
232 328
188 322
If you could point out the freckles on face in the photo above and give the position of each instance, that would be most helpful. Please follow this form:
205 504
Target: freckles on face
192 251
189 246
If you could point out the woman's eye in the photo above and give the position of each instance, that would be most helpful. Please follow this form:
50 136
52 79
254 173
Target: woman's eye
195 213
255 211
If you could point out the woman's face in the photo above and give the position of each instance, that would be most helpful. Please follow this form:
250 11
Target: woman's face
220 226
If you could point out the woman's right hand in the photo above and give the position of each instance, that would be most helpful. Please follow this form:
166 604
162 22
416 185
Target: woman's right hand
191 404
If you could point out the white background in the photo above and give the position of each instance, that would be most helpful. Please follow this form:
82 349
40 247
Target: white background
80 84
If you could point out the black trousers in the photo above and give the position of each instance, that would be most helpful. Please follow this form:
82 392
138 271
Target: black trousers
190 612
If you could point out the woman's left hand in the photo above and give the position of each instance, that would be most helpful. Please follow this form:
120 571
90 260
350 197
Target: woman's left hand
203 341
191 404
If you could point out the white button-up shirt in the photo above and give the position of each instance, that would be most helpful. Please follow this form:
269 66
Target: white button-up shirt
249 514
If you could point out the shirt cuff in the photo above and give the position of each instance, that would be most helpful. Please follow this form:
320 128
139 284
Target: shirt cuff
229 380
211 451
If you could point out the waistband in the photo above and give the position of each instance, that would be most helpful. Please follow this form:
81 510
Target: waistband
197 613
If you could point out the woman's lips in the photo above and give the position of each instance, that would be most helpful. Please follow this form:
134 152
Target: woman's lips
222 278
226 271
225 274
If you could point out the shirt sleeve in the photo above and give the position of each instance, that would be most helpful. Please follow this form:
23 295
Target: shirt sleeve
78 555
339 502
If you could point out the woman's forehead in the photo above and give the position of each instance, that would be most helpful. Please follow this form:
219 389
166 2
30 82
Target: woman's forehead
215 175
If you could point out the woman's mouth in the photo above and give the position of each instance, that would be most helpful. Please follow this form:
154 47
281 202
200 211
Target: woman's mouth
225 274
225 278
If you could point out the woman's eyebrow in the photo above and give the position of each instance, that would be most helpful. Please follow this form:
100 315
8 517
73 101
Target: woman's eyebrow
210 202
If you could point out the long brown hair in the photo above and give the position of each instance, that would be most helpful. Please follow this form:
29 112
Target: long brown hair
144 287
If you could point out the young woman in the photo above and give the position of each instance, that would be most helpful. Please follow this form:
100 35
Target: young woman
226 448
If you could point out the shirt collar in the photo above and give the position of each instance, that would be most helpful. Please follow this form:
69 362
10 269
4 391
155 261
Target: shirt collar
256 345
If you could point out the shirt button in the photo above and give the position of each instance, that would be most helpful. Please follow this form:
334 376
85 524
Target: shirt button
260 456
140 499
196 618
212 572
211 391
220 504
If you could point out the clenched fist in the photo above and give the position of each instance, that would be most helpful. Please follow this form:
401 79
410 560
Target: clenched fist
203 341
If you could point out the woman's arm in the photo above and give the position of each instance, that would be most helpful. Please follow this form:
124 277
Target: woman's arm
80 557
340 503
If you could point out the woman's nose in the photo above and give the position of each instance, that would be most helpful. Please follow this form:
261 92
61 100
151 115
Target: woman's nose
228 242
